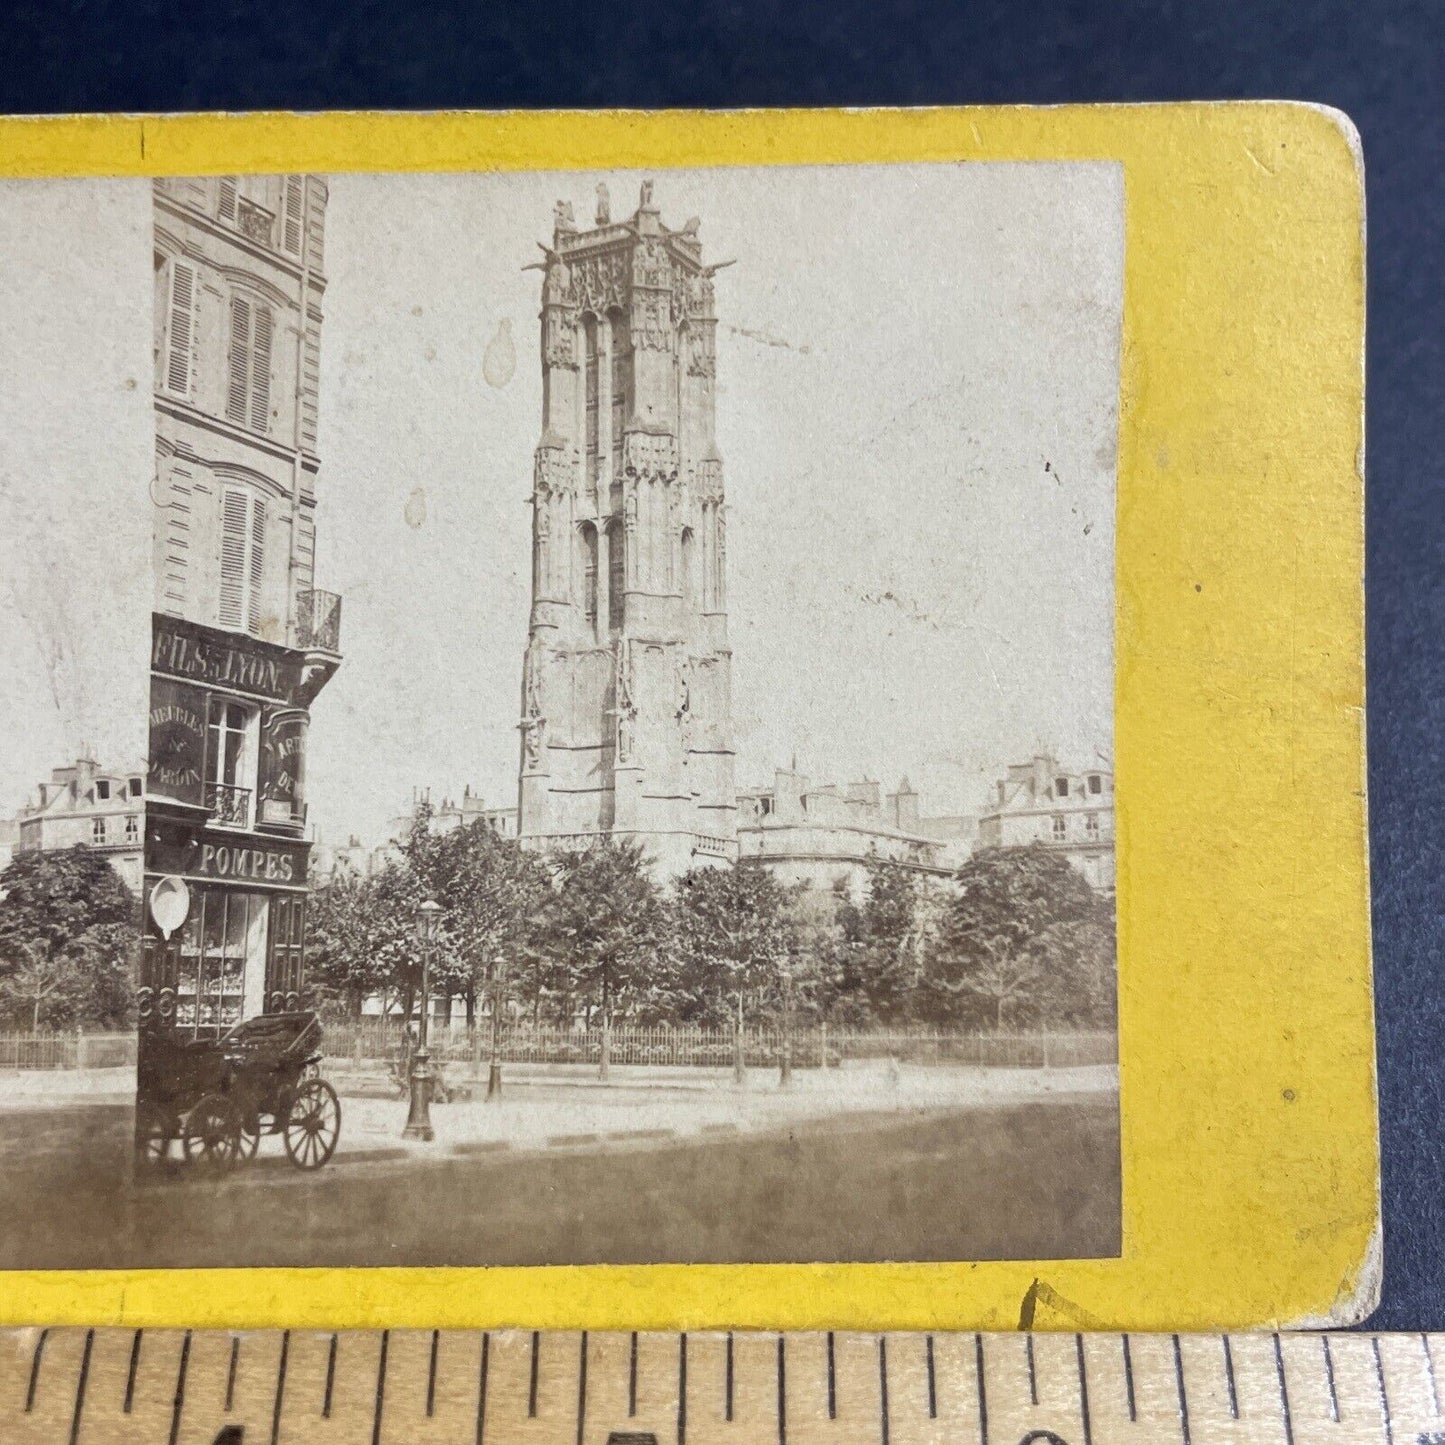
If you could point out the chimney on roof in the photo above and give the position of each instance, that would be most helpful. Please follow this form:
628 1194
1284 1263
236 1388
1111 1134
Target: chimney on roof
903 808
1043 775
789 788
866 792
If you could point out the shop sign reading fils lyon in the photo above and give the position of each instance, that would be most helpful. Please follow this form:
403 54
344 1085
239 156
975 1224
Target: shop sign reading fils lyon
179 653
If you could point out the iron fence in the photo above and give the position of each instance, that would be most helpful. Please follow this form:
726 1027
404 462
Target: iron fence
815 1046
67 1051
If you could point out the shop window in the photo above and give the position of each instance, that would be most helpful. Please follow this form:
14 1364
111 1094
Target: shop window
222 957
231 762
243 559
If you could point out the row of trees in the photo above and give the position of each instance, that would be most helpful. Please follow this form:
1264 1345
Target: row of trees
1020 940
69 936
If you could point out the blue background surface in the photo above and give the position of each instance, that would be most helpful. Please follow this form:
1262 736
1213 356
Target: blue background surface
1381 63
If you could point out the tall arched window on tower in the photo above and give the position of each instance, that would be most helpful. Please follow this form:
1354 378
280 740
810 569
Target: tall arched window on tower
587 570
621 385
589 383
689 574
679 368
616 577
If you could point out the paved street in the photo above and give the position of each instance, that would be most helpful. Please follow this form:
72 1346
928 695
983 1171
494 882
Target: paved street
1029 1178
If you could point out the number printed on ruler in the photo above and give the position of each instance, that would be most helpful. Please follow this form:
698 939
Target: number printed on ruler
115 1387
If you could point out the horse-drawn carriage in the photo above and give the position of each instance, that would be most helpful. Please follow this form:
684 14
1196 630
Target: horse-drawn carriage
213 1099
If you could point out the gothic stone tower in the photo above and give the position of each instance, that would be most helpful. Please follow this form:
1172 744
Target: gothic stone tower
626 688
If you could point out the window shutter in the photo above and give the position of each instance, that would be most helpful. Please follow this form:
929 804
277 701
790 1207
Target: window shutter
239 361
257 563
227 208
234 522
180 327
261 368
291 218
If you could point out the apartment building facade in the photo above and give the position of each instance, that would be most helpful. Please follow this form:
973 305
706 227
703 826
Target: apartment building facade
242 639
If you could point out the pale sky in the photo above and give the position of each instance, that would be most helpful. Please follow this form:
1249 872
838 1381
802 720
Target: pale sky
77 454
918 373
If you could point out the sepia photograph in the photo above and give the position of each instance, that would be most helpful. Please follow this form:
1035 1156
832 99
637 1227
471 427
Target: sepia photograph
560 718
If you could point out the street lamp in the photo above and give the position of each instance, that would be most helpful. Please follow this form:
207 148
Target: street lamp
494 1066
785 1074
418 1119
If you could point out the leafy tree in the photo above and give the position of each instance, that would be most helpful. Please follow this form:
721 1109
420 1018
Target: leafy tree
69 938
602 926
1023 932
489 888
732 930
879 956
363 939
1077 968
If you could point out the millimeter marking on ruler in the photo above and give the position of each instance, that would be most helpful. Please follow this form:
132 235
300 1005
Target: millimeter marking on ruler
93 1386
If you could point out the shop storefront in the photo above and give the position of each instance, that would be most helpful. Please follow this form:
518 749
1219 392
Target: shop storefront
225 861
238 948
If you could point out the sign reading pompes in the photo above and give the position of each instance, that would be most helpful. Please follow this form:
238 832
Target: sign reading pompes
170 903
269 865
203 855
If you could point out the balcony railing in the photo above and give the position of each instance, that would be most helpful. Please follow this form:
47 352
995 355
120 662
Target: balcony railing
229 807
318 621
282 814
254 221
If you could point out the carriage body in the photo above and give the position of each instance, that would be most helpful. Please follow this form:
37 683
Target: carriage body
217 1098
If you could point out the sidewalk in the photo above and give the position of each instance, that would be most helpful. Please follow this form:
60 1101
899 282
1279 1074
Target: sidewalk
548 1107
59 1088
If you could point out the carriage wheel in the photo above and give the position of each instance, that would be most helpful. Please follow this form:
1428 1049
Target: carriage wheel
154 1130
250 1141
211 1137
313 1124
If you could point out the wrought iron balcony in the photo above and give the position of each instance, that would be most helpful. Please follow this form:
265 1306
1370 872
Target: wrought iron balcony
229 807
318 622
254 221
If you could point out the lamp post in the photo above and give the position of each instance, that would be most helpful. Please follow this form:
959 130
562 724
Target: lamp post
739 1062
494 1066
785 1074
418 1119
